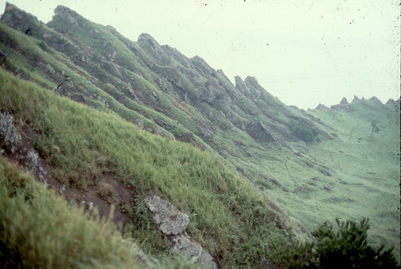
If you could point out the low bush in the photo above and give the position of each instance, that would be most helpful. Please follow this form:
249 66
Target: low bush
343 246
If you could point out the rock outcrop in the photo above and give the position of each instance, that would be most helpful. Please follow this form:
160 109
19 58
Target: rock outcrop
355 100
170 220
344 101
344 105
322 107
173 223
9 136
18 147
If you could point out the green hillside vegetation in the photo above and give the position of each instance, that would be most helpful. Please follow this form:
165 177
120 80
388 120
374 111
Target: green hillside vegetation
39 229
253 174
81 145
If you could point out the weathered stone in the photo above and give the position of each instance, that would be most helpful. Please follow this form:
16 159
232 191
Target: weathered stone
260 132
322 107
202 65
170 220
173 222
33 161
344 101
192 251
206 260
69 16
9 135
185 246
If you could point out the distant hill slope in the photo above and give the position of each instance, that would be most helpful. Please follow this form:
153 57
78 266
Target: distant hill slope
315 165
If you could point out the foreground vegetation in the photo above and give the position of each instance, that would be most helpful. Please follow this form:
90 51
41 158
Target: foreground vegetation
228 216
315 165
39 230
343 246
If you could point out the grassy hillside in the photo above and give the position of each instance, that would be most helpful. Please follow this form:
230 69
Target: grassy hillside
367 166
39 229
139 98
82 147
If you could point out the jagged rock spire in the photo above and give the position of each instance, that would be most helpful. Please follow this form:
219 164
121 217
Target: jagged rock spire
344 101
375 100
322 107
9 7
355 99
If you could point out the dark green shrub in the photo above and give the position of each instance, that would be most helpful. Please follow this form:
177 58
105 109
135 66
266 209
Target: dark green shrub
346 247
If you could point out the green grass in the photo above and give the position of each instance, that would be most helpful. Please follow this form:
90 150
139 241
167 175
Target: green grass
365 175
225 210
39 230
364 168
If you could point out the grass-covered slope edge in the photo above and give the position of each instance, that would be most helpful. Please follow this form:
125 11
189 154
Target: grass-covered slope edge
81 146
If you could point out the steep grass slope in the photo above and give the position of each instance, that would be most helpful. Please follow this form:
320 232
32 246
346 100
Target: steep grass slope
316 165
81 147
39 230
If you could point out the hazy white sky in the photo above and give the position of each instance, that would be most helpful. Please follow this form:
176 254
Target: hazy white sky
305 52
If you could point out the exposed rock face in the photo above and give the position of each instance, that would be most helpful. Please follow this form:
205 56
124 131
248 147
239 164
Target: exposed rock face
322 107
188 248
260 132
355 100
173 223
170 220
8 133
161 78
344 101
344 105
152 45
15 146
375 101
394 105
202 65
391 102
70 16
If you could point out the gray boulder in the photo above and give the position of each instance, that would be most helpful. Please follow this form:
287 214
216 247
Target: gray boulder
9 135
188 248
206 260
192 251
170 220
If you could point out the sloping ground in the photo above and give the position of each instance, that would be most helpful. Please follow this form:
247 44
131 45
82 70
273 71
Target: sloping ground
175 94
313 163
353 175
79 147
366 159
39 229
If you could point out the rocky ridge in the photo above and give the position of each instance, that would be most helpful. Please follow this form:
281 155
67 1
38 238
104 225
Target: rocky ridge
164 92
